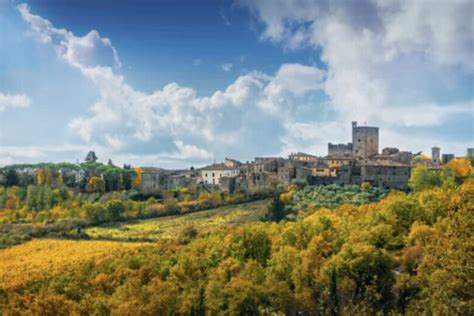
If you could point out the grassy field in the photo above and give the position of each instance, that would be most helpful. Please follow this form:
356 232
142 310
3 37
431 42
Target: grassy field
171 226
40 258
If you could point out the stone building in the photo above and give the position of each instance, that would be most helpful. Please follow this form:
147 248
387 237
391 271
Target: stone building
153 180
383 174
404 157
365 141
286 174
435 155
211 174
233 184
390 175
232 163
183 178
390 151
445 158
339 149
303 173
470 152
263 173
334 163
302 157
321 169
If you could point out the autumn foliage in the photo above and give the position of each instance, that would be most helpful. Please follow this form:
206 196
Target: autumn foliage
406 254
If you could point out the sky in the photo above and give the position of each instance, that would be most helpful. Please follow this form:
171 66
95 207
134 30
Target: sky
186 83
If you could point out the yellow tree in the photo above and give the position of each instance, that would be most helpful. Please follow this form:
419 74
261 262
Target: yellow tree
44 176
12 199
137 180
60 179
461 167
95 184
40 176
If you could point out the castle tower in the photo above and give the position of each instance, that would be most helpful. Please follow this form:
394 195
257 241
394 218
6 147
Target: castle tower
435 155
365 141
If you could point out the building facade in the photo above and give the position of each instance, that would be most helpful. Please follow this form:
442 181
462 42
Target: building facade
302 157
153 180
445 158
211 174
365 141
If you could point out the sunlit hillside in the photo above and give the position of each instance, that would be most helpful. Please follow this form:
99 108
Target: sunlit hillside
41 259
171 226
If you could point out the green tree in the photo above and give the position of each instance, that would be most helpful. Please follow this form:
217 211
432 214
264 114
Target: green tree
421 178
276 209
32 197
333 298
11 177
114 210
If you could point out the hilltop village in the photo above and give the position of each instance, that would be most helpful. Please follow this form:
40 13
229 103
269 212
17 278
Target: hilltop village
352 163
356 162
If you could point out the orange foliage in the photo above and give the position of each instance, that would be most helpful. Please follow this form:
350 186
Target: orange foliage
461 167
137 180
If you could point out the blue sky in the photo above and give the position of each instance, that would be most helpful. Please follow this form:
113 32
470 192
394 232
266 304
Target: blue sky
181 83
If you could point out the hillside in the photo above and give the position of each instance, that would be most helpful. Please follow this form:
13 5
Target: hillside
43 258
171 226
406 254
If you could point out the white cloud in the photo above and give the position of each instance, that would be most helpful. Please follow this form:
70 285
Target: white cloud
87 51
226 67
8 101
224 123
186 151
359 44
371 48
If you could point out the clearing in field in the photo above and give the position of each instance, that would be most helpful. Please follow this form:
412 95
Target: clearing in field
40 258
171 226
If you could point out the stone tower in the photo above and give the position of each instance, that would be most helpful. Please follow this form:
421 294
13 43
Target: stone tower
365 141
435 155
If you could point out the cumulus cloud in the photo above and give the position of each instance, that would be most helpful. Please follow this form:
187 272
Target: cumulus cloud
365 46
87 51
386 62
8 101
236 120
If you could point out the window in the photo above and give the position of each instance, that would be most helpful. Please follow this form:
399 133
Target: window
358 140
213 174
205 175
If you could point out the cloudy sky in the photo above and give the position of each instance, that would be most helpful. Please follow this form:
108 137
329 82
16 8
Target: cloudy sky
181 83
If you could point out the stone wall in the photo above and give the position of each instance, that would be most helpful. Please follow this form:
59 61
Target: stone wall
339 149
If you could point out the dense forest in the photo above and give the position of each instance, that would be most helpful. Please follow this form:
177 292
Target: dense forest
364 252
